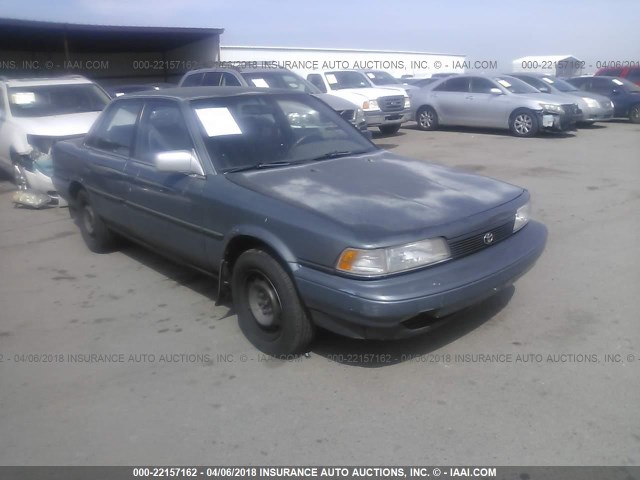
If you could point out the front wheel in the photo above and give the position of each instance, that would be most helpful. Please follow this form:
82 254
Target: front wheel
389 129
427 118
93 229
524 123
634 114
270 313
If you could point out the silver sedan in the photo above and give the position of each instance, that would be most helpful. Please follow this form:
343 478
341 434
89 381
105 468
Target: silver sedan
595 108
498 101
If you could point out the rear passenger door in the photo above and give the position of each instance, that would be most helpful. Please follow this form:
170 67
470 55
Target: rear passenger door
451 99
166 208
109 146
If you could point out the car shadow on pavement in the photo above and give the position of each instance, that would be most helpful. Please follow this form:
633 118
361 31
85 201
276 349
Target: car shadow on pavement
376 354
493 131
182 275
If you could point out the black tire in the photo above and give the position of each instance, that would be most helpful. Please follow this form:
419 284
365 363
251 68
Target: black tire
524 123
585 124
269 310
427 118
389 129
634 113
94 231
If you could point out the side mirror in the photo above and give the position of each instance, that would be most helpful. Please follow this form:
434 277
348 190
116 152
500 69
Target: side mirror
495 91
178 161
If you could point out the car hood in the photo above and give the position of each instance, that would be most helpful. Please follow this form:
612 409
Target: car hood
368 93
594 96
546 98
380 194
337 103
58 125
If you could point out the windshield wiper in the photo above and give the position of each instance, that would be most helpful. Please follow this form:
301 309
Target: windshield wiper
258 166
337 154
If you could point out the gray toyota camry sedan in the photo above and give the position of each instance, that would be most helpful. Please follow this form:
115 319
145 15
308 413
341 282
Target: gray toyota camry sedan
304 221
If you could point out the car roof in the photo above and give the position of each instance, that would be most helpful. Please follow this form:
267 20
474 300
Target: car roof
192 93
239 70
40 81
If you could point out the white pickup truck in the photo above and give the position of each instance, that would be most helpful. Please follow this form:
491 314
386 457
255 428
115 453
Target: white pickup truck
384 107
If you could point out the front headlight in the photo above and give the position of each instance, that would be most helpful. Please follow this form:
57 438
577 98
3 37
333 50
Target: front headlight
550 107
407 102
370 105
383 261
591 103
523 215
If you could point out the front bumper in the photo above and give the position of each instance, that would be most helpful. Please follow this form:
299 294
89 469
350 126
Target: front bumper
393 307
377 117
41 182
596 114
558 122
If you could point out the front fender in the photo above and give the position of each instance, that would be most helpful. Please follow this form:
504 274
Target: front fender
267 237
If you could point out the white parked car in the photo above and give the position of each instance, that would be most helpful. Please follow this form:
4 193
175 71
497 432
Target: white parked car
35 113
384 107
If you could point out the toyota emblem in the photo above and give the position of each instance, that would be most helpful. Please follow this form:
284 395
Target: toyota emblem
488 238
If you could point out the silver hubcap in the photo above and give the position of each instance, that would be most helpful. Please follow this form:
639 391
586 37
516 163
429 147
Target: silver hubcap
88 219
523 123
426 119
263 300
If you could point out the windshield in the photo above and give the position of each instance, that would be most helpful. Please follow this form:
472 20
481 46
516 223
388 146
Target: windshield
561 85
515 85
47 100
346 79
287 80
540 84
382 78
254 131
628 85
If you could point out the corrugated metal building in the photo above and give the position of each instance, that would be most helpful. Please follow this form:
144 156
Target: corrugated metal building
107 53
303 60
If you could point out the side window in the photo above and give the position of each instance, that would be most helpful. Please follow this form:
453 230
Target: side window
454 84
601 84
316 80
117 129
162 129
229 80
579 83
481 85
193 80
212 79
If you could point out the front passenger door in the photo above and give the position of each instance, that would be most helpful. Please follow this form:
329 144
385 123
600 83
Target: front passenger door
166 207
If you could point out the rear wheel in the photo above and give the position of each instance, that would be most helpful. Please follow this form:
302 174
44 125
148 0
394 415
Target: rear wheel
270 313
389 129
427 118
93 229
524 123
634 113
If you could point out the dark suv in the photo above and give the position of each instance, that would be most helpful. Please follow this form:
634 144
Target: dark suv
624 94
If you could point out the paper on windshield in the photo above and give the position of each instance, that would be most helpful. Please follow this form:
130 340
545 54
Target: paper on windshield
260 82
331 78
504 83
371 75
617 82
548 80
23 98
218 121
